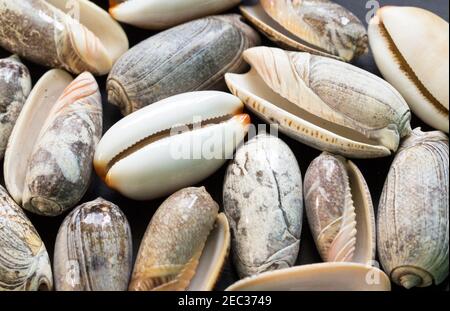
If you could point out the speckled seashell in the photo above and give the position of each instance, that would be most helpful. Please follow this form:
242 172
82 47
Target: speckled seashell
48 161
263 201
93 250
411 48
190 57
161 14
340 210
24 262
413 217
327 104
15 85
320 27
77 36
172 246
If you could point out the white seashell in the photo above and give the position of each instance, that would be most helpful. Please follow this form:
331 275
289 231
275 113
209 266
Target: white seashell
144 155
411 49
162 14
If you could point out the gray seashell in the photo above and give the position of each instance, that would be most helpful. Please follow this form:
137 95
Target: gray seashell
93 250
24 262
413 221
15 85
190 57
263 201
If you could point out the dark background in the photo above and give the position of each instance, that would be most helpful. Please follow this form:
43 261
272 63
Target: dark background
140 213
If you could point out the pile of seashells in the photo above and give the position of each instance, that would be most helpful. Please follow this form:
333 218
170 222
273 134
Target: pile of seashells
52 139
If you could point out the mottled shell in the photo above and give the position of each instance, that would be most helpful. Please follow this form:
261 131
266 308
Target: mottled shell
413 216
340 210
263 201
324 103
190 57
162 14
77 36
173 243
24 262
411 48
48 162
93 250
15 85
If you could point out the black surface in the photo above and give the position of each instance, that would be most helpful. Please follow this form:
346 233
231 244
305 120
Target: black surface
140 213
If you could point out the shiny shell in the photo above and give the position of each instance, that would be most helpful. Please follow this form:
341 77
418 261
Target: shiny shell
340 210
93 250
413 221
316 26
263 201
172 144
161 14
24 262
330 276
411 49
190 57
15 85
172 246
48 161
77 36
324 103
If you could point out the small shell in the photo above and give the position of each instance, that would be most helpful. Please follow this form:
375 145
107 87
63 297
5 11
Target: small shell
411 49
413 217
340 211
330 276
162 14
93 250
174 241
24 262
48 161
263 201
324 103
15 85
316 26
191 57
77 36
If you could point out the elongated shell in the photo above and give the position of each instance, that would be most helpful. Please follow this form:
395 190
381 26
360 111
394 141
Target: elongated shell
330 276
24 262
340 211
161 14
411 49
263 201
413 217
48 162
93 250
324 103
77 36
15 85
173 243
191 57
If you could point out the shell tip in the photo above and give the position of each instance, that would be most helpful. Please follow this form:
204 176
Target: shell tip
409 281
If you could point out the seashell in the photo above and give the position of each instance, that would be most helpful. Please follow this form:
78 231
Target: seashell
174 242
171 144
340 210
162 14
48 161
77 36
413 212
410 47
93 250
190 57
315 26
324 103
15 85
264 184
24 262
329 276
